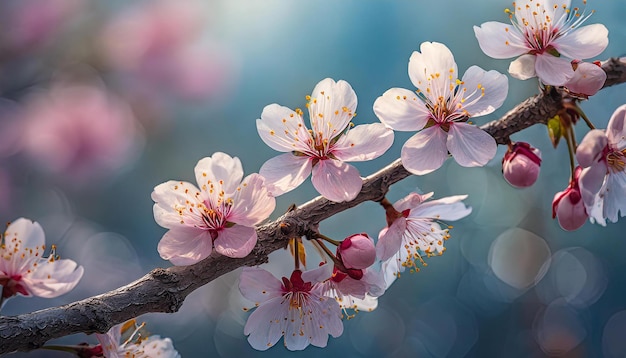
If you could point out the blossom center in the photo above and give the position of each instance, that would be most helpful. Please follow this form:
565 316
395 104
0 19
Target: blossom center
615 160
215 216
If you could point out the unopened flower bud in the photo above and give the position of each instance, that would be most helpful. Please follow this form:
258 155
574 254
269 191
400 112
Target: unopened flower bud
568 206
588 78
357 251
521 164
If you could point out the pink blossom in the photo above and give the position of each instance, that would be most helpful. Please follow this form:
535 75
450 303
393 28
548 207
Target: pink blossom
294 308
568 206
325 148
588 79
413 226
603 179
81 132
521 164
357 251
546 34
441 109
24 270
134 345
222 213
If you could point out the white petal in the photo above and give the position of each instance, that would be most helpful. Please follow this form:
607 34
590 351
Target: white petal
523 67
616 130
252 203
219 167
498 40
332 106
28 234
495 84
448 209
336 181
615 196
266 324
470 146
363 142
411 201
435 58
258 285
185 246
401 110
425 151
584 42
52 279
172 196
555 71
279 126
237 241
318 274
390 239
285 172
591 182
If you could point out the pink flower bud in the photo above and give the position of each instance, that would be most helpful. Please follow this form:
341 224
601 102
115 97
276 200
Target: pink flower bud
588 79
357 251
568 206
521 164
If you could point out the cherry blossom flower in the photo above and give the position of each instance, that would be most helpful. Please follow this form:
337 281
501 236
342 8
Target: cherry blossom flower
294 308
547 35
588 79
413 226
24 270
568 206
521 164
135 345
325 148
440 109
603 179
221 213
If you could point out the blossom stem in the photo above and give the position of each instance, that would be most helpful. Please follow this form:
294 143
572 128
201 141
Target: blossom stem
582 115
296 250
328 239
571 148
385 203
330 254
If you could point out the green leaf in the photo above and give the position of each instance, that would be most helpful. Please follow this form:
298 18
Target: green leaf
555 130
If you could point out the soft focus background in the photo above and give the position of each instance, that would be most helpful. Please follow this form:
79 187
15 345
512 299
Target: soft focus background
103 100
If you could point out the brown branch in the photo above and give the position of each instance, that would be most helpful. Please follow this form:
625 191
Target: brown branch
164 290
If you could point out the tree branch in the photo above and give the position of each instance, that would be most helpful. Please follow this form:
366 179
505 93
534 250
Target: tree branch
164 290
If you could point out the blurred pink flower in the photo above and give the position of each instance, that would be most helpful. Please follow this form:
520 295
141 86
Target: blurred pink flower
521 165
80 132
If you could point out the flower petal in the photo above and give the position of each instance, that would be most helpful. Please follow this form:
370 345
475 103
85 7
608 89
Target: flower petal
285 172
332 106
253 203
584 42
425 151
495 85
237 241
616 130
523 67
614 197
185 245
53 278
390 239
336 181
363 142
266 324
411 201
220 168
172 200
258 285
27 234
591 147
435 58
499 40
555 71
470 146
450 208
401 110
279 126
588 79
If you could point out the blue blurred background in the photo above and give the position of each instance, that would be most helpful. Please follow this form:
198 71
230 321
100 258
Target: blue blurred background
101 101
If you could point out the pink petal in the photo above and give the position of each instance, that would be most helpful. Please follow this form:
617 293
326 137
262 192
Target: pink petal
220 167
185 245
336 180
171 196
253 203
401 110
584 42
390 239
274 121
285 172
470 146
411 201
591 181
449 208
332 106
258 285
588 79
591 147
434 58
319 274
425 152
616 131
555 71
523 67
571 216
363 142
498 40
266 324
237 241
52 279
495 84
